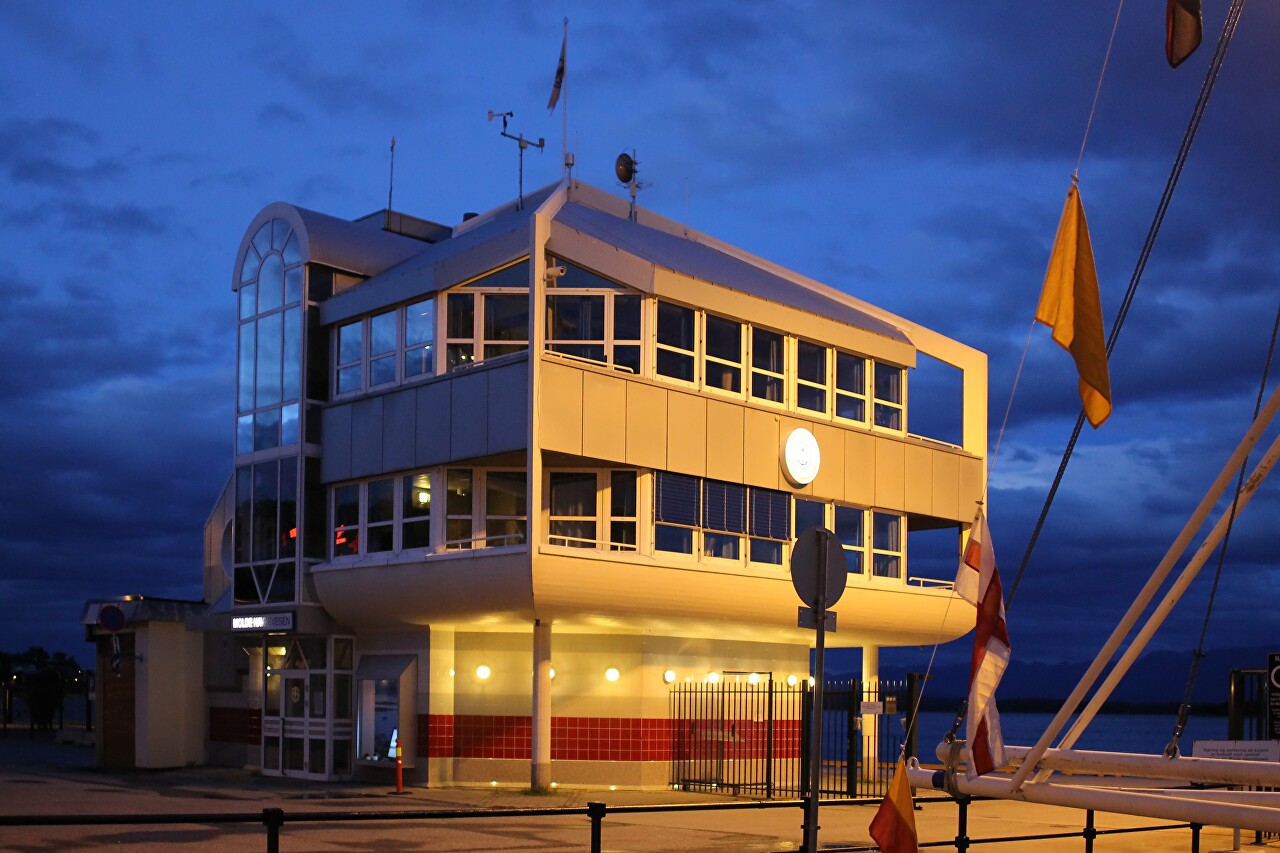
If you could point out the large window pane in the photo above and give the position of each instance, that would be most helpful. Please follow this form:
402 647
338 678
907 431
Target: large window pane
270 348
270 283
626 317
573 493
346 520
382 333
416 512
575 317
291 388
420 322
350 342
266 495
809 514
460 322
248 358
676 326
458 508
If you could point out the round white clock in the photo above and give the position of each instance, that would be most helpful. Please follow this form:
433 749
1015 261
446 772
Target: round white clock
801 457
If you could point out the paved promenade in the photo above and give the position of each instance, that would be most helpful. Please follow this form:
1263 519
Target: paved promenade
41 777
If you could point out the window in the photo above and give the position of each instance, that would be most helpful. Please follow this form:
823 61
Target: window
416 512
809 514
265 534
622 511
851 387
768 365
577 499
769 525
710 518
677 342
419 338
811 376
346 520
849 521
382 348
488 317
380 522
506 517
269 361
458 509
460 330
889 397
722 362
677 511
368 352
506 323
573 509
887 555
724 518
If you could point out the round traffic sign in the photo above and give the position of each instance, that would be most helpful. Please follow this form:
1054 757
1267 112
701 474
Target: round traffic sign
811 548
111 617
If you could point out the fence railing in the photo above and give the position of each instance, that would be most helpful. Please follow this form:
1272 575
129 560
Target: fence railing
274 820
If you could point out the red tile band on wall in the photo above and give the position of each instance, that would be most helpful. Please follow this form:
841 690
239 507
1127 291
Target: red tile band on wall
235 725
600 738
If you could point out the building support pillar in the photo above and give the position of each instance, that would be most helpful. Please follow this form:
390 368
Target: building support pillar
540 769
871 722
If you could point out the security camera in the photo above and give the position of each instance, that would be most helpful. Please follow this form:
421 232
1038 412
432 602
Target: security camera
555 272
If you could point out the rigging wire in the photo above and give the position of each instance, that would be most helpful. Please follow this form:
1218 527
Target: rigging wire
1098 91
1197 113
1184 710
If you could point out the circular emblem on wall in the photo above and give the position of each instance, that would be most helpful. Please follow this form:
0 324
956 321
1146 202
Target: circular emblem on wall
295 693
801 457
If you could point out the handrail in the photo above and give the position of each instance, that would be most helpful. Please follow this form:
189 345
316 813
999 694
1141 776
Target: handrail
274 819
568 356
594 543
468 543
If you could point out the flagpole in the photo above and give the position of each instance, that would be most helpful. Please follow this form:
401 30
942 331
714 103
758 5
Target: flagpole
564 116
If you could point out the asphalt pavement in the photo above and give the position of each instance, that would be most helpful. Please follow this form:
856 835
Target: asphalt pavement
44 778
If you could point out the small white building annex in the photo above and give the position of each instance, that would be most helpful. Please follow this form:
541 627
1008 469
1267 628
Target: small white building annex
496 486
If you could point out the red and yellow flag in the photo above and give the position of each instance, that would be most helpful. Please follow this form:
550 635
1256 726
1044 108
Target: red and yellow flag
894 826
1070 305
1183 29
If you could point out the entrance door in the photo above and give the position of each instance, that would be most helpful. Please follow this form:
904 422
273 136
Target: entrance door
300 715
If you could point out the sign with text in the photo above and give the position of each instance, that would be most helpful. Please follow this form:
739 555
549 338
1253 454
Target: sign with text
1237 750
1273 696
263 622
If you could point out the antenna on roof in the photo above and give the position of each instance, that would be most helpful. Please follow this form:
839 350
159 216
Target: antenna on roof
523 143
625 168
391 181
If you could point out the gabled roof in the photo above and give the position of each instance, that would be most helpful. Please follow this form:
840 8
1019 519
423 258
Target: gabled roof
690 257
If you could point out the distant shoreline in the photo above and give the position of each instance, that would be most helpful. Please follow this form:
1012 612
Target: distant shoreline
1049 706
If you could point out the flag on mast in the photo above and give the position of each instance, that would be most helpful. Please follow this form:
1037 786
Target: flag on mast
1183 29
894 824
978 582
1071 306
559 81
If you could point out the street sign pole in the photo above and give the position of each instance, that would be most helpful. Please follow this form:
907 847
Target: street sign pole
819 670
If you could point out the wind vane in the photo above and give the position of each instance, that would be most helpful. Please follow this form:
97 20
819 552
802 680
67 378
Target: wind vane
523 144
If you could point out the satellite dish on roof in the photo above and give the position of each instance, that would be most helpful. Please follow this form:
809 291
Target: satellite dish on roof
625 168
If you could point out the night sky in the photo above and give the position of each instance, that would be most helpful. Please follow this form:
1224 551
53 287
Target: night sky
915 155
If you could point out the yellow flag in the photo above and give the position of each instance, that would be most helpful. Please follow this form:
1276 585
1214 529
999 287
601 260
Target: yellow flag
1070 305
894 824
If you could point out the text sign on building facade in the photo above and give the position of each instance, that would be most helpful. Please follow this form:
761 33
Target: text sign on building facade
1273 696
263 622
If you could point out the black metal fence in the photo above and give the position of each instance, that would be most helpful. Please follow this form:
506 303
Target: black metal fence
751 739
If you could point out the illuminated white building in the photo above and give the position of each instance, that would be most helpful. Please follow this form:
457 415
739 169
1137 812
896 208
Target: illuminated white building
496 485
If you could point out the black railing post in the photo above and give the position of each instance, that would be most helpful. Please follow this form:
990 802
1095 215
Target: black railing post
596 811
1090 832
806 720
962 825
1195 837
273 819
914 680
768 749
